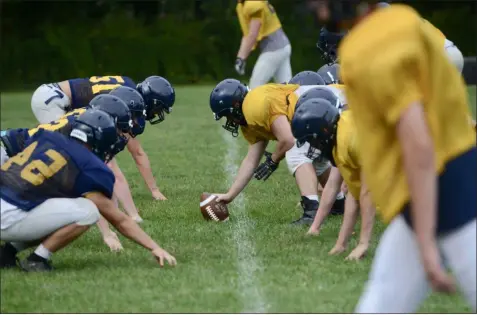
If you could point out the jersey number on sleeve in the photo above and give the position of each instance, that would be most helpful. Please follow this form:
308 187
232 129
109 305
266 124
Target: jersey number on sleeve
105 83
35 172
53 126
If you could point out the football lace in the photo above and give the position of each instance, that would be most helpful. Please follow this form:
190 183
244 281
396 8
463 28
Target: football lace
211 213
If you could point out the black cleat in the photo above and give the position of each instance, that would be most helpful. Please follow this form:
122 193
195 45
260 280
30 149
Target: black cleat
338 207
8 256
306 219
35 263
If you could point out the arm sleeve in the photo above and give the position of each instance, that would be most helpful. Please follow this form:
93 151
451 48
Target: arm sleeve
95 180
254 9
249 136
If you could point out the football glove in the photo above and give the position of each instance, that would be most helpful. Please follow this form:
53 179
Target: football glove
266 169
240 66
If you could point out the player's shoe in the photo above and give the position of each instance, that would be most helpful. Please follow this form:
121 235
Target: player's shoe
34 263
8 256
338 207
310 207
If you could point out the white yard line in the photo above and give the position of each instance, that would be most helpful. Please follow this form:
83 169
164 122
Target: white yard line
248 263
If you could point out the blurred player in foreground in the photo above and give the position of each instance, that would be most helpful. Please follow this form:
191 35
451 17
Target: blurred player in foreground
51 193
51 101
417 154
320 124
260 25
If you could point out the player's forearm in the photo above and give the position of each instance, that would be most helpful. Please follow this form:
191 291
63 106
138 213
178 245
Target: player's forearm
328 197
244 176
103 227
123 194
349 220
246 46
144 167
129 228
281 149
368 212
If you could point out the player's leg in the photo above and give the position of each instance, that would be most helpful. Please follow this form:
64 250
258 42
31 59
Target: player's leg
302 168
455 55
49 103
264 69
284 71
323 170
397 281
55 223
459 249
122 191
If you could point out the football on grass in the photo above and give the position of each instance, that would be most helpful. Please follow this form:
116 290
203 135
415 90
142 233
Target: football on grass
212 209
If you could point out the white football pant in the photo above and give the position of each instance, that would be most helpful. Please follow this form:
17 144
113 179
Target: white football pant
296 157
272 64
22 226
455 55
397 281
3 155
49 103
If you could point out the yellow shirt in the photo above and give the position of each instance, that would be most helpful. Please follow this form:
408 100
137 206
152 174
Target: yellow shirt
436 31
345 154
403 61
263 105
258 10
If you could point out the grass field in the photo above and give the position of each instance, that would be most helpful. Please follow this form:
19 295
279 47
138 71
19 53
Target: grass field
255 262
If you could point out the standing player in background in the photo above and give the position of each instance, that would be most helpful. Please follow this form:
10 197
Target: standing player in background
51 101
260 26
418 155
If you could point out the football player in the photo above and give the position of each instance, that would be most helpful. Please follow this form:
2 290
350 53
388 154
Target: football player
311 172
57 187
260 26
262 114
307 78
320 124
14 141
330 74
417 152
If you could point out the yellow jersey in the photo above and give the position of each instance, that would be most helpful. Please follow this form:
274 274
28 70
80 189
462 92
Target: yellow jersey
436 31
262 105
261 10
345 153
403 61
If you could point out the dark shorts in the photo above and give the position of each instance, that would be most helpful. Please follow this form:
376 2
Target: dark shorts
457 193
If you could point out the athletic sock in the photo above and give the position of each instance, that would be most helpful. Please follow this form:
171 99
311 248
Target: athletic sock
340 196
43 252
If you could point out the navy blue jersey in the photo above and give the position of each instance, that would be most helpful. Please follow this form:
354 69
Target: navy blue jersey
52 166
83 90
14 139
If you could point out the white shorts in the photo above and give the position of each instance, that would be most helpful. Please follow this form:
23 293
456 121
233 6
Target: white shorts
454 54
397 280
49 103
3 155
297 156
22 226
272 64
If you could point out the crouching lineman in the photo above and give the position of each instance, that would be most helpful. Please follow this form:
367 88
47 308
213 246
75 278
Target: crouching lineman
57 187
14 141
320 124
417 152
51 101
311 171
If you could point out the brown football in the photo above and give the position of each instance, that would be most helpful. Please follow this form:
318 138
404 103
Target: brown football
213 210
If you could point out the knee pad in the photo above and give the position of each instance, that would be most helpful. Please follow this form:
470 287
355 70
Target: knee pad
296 157
89 210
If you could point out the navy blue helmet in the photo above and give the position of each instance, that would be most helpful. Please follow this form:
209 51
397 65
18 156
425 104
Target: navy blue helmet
98 130
328 44
159 96
307 78
135 103
319 92
115 107
316 122
226 101
330 74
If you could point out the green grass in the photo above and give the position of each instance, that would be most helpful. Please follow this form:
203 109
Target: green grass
292 273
